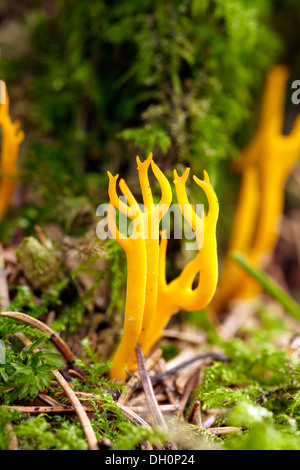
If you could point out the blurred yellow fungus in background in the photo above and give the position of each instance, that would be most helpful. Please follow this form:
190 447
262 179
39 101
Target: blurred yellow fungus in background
12 136
265 165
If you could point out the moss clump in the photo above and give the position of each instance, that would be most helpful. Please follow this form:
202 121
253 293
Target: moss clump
40 264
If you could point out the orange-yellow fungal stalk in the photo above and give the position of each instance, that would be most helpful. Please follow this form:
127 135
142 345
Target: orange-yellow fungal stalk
179 294
142 260
12 137
265 164
150 302
272 105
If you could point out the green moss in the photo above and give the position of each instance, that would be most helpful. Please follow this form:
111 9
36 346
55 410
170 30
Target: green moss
45 433
40 264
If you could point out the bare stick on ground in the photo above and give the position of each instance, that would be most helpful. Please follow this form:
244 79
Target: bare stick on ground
4 293
150 397
54 338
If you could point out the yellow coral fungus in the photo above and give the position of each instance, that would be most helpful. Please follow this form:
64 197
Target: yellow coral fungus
142 250
265 164
12 137
150 302
179 293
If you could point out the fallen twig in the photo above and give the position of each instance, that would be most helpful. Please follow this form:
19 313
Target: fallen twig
223 430
84 420
41 236
4 293
163 408
195 414
54 338
191 385
168 385
12 438
78 408
132 416
209 420
212 355
148 389
48 400
145 445
136 409
150 397
184 336
135 379
47 409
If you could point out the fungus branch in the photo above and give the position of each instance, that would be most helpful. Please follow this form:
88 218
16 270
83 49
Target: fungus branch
179 294
142 251
150 302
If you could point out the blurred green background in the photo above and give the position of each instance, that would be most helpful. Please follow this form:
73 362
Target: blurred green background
96 83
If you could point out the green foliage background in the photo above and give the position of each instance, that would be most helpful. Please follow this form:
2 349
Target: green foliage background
177 77
98 82
95 83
